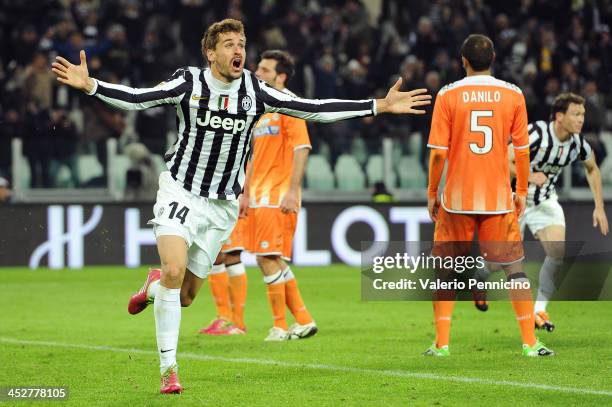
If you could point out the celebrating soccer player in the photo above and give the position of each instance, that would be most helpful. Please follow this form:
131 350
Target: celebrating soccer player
196 206
471 121
273 189
552 147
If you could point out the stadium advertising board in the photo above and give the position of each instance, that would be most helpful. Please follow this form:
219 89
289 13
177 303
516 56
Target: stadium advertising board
74 236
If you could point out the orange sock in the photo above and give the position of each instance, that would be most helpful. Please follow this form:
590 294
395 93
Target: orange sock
295 303
238 294
443 312
219 288
522 302
526 320
276 297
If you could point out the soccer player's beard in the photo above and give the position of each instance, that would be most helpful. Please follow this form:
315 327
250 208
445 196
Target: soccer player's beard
225 72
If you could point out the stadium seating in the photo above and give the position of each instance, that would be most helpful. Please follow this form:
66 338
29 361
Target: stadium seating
359 150
319 175
375 171
119 168
159 162
348 172
411 175
88 168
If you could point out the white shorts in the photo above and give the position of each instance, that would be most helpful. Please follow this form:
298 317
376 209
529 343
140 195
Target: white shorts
547 213
204 223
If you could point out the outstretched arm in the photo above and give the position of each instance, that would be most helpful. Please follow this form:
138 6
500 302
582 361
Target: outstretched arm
331 110
123 97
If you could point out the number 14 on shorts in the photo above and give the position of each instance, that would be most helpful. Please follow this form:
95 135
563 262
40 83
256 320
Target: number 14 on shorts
178 212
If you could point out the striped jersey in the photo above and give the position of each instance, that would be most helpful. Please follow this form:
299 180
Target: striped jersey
215 121
549 155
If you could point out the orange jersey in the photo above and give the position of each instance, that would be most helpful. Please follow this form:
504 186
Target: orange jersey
276 138
473 119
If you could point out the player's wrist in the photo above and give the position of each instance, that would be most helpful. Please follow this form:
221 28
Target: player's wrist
91 85
381 106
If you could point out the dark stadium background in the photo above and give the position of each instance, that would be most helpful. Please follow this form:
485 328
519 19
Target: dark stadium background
60 147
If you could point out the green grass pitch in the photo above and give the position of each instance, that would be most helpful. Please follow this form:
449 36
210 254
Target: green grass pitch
71 328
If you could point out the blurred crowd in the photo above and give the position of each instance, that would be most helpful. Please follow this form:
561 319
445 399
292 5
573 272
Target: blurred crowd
343 49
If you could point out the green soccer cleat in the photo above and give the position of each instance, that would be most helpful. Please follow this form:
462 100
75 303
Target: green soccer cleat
433 351
539 349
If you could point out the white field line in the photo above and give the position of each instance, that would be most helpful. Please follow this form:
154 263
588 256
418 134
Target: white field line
318 366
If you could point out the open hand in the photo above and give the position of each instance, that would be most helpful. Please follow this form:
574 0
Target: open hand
403 102
69 74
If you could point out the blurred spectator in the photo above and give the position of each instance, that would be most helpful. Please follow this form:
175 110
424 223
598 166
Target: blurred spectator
5 190
116 58
10 127
594 120
38 82
141 184
65 138
423 123
101 123
152 127
380 193
544 46
37 145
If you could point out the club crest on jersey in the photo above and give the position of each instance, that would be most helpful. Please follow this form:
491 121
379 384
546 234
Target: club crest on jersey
246 102
223 103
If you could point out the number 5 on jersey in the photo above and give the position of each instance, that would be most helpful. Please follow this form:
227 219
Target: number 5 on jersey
180 214
487 131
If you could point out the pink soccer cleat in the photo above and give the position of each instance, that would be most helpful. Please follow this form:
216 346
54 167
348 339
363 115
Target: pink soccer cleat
222 326
169 381
140 300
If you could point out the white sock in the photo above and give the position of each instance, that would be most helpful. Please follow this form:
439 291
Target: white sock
275 278
152 290
482 274
546 286
217 269
236 270
288 274
167 309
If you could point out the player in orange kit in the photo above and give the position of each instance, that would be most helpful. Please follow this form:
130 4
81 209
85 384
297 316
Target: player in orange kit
273 189
471 122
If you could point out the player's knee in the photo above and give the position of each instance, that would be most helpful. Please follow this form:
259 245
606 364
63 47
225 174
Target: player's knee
232 257
265 262
173 271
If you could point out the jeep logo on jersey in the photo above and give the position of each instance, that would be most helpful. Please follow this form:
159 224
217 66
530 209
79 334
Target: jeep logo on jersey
246 102
214 122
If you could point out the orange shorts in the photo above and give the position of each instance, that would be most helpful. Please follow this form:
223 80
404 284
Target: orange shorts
271 232
499 235
237 240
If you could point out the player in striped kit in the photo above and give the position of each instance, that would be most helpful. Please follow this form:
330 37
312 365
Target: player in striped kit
196 206
553 146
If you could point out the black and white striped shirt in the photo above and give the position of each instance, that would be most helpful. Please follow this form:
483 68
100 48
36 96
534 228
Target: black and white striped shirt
549 155
215 119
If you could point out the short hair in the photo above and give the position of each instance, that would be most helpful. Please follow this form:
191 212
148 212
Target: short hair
284 61
479 52
562 102
211 36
